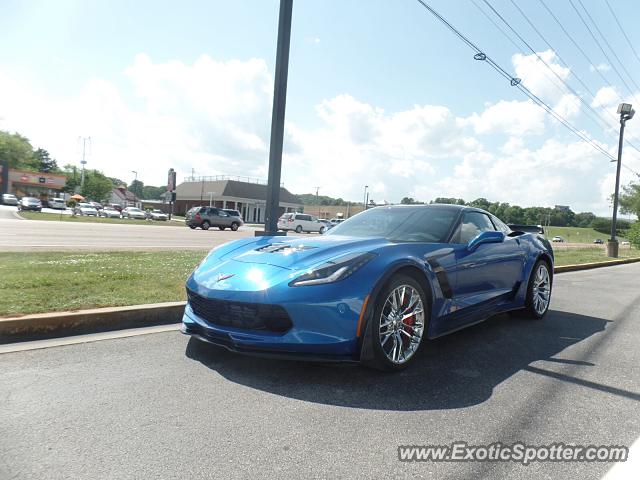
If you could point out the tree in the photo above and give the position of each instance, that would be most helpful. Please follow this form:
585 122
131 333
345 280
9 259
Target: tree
407 201
15 150
150 192
633 234
630 199
43 162
96 186
584 219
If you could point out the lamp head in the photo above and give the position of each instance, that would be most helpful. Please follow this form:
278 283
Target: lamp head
625 109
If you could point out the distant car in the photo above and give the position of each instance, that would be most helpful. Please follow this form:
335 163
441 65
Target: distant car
30 203
234 213
336 221
85 209
557 238
9 199
206 217
598 241
157 214
108 212
133 212
97 205
300 222
57 203
625 244
115 206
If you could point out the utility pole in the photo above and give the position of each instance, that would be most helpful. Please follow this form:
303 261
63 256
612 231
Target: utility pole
277 118
83 162
318 201
626 112
135 181
364 199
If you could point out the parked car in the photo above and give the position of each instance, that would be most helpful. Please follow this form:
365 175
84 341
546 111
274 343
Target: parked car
300 222
57 203
9 199
30 203
133 212
598 241
336 221
85 209
625 244
557 239
206 217
115 206
108 212
234 213
97 205
157 214
381 283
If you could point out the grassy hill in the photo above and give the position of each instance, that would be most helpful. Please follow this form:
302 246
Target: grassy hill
576 235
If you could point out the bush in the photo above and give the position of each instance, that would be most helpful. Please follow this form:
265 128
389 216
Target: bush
633 234
603 225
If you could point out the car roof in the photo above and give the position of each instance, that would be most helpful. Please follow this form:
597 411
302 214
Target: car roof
444 206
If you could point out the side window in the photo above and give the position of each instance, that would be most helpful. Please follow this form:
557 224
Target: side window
473 223
500 226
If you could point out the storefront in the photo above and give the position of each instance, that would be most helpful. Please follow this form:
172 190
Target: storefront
35 184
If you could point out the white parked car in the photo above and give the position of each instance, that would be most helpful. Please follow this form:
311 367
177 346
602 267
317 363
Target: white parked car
300 222
9 199
157 214
625 244
85 209
57 203
557 239
108 212
133 212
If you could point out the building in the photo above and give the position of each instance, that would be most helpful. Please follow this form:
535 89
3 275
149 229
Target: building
23 183
247 195
123 197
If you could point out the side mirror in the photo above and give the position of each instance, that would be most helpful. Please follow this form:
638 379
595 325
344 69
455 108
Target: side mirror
485 237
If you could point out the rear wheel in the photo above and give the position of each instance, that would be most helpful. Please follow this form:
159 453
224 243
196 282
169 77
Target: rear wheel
398 323
234 226
539 291
205 225
299 229
322 230
192 227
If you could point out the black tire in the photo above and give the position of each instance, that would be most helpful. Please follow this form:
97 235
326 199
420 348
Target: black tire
235 226
192 227
322 230
221 228
531 308
381 360
299 229
205 225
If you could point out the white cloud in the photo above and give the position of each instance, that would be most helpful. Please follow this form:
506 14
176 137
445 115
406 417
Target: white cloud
605 97
601 67
537 77
509 117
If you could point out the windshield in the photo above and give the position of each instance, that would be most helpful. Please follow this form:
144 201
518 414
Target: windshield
400 224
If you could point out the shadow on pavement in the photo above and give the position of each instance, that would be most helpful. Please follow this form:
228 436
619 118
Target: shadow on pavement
455 371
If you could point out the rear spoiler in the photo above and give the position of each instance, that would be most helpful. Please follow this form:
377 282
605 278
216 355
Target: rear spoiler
527 228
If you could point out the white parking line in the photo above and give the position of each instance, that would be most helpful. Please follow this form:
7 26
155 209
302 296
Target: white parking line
91 337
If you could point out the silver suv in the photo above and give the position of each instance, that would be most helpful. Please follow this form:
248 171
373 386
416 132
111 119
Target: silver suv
205 217
300 222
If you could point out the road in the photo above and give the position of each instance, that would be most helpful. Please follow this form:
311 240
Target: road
18 235
161 406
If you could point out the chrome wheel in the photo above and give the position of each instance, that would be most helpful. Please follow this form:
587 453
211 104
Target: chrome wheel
401 324
541 293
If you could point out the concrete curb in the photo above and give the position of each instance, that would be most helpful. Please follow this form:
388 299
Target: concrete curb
47 325
17 215
588 266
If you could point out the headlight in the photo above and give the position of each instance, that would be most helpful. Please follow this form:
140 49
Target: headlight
333 270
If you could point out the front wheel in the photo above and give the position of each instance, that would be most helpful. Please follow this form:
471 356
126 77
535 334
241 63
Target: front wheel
299 229
539 290
322 230
205 225
234 226
398 323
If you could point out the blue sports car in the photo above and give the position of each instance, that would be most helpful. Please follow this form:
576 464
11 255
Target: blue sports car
371 288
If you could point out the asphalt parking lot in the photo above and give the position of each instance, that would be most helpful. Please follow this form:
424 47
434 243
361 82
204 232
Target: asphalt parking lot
162 406
17 235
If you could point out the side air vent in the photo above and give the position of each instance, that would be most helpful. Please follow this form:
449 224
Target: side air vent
283 248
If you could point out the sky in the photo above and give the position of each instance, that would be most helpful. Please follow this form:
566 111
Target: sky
380 93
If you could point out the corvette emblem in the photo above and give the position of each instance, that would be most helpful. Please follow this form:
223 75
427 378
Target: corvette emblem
224 276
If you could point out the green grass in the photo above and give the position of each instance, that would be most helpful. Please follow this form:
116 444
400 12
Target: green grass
575 234
575 256
54 281
54 217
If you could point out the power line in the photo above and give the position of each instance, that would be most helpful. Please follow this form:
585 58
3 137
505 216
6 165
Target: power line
515 82
623 31
615 69
496 25
609 45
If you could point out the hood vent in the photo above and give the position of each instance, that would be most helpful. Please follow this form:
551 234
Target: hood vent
284 248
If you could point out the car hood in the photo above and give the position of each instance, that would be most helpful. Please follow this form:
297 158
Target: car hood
299 253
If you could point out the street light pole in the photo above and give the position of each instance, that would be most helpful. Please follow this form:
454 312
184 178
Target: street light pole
135 180
277 118
364 198
317 201
626 113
